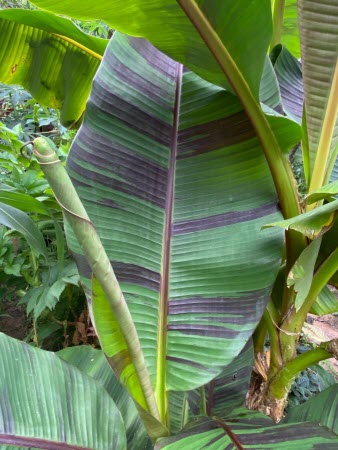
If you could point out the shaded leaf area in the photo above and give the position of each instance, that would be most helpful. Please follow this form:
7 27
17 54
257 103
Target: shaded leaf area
318 31
47 403
290 79
312 223
51 58
228 390
179 410
164 162
334 176
93 363
234 22
289 74
290 36
246 429
322 408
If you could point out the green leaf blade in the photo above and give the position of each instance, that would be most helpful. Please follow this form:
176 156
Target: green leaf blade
46 401
255 28
49 56
124 186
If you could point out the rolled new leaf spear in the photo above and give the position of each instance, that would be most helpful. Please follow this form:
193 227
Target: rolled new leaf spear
96 256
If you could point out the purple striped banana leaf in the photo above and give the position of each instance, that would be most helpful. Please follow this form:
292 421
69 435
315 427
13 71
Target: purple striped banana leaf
176 184
227 391
246 429
221 395
318 28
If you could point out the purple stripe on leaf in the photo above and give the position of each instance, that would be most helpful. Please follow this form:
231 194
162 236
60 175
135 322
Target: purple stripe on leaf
205 330
125 273
218 305
215 135
144 186
154 58
220 220
186 362
130 115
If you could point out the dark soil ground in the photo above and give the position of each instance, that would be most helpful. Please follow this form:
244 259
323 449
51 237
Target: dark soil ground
13 320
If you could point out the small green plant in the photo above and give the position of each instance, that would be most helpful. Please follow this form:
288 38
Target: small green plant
43 280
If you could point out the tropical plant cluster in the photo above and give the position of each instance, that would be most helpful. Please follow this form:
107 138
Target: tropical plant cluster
199 204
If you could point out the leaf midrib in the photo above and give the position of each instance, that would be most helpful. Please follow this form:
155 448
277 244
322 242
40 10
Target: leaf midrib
31 442
160 390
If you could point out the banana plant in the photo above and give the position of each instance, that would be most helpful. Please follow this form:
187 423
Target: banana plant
185 210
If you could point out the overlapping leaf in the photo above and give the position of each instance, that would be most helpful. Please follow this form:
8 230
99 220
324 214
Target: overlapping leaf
49 56
289 75
312 223
318 24
269 92
165 25
172 176
47 403
229 389
93 363
327 192
322 408
246 429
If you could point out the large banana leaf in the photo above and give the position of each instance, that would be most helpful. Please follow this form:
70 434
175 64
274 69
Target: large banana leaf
93 363
165 25
245 429
174 180
49 56
46 403
318 24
